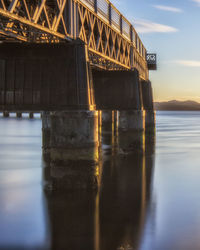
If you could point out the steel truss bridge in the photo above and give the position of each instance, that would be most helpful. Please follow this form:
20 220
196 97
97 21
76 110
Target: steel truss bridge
111 39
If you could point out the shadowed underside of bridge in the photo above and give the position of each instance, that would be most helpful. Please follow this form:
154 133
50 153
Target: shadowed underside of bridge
50 77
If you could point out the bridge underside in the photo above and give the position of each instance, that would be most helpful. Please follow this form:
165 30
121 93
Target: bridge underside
44 77
47 77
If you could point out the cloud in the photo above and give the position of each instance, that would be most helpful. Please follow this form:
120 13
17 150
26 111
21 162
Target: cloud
196 1
145 26
167 8
188 63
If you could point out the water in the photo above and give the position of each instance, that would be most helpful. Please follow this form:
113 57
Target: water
148 200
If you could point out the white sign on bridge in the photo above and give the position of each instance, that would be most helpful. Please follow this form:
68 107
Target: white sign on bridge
151 61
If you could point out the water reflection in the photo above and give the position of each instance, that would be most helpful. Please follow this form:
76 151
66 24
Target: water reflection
125 191
114 217
35 217
23 213
72 217
24 221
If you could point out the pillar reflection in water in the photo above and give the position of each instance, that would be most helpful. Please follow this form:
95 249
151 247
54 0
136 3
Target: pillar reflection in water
114 217
72 218
125 188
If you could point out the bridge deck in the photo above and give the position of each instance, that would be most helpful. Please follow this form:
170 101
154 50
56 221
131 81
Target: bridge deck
111 39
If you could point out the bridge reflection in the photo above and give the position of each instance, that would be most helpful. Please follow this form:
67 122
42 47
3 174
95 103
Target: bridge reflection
114 217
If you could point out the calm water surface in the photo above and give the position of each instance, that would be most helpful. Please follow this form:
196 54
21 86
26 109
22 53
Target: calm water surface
148 200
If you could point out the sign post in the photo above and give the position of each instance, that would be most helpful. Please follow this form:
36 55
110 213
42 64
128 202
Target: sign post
151 61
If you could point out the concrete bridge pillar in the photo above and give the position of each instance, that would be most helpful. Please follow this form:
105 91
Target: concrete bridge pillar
120 91
19 114
46 134
108 120
6 114
117 90
131 131
31 115
108 126
147 99
71 137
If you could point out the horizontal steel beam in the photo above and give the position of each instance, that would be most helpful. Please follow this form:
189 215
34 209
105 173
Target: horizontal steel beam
22 20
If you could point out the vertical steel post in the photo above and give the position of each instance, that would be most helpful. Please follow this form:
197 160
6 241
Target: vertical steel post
70 14
131 48
121 25
76 19
65 16
73 18
131 33
131 56
110 13
95 6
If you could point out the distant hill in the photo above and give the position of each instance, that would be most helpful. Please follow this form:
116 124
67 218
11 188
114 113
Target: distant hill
177 105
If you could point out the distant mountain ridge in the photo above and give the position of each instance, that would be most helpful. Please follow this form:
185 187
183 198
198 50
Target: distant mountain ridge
177 105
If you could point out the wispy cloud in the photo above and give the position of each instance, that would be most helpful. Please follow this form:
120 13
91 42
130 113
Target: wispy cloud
146 26
168 8
188 63
196 1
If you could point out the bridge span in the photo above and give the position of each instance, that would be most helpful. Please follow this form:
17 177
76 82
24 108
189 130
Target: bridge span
82 64
111 39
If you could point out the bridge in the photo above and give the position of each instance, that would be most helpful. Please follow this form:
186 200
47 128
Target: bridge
111 39
82 64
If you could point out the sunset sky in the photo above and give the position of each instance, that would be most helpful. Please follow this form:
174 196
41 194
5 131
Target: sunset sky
171 28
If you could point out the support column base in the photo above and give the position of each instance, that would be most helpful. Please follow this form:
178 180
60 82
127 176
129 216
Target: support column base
149 120
19 115
46 135
31 115
6 114
74 149
131 120
131 131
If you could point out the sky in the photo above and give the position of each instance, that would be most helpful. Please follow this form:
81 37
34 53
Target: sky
171 29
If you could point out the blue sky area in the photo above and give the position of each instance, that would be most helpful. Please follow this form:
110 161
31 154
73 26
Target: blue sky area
171 28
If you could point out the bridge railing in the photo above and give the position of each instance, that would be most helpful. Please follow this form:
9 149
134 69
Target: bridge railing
128 49
106 10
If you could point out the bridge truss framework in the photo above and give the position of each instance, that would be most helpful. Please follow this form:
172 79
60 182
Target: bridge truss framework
112 41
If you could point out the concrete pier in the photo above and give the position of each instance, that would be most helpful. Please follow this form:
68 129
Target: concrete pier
107 119
6 114
147 99
19 114
31 115
108 127
117 90
131 120
73 148
107 116
131 131
121 91
149 120
46 135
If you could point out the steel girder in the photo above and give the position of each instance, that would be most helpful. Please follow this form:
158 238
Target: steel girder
64 20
